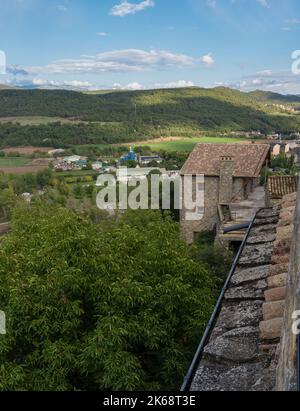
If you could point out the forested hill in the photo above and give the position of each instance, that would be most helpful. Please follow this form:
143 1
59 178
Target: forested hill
269 97
126 115
207 108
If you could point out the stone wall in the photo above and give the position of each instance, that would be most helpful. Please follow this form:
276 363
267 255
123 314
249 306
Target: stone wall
252 346
240 187
210 218
290 234
235 359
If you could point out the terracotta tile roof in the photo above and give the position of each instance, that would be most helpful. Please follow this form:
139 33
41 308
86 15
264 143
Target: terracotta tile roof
206 159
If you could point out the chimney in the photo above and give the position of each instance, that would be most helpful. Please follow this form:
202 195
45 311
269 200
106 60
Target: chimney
226 180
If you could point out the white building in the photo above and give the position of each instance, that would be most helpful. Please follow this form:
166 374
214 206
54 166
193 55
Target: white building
97 165
124 175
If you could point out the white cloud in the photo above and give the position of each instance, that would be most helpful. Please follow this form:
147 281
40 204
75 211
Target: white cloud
293 22
281 82
175 84
125 7
127 60
131 86
208 60
62 8
264 3
72 84
212 3
102 34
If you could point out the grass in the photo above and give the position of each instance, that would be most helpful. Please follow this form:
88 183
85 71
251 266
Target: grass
187 145
13 161
76 173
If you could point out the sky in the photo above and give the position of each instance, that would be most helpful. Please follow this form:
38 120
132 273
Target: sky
142 44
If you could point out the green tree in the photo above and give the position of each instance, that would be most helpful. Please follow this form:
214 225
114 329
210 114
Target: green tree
93 306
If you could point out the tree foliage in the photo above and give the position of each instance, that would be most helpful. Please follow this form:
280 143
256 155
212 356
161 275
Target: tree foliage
114 305
112 117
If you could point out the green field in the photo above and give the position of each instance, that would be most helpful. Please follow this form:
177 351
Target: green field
13 161
187 145
76 173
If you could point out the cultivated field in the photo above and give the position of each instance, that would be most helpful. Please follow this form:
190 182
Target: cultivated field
21 165
184 144
36 120
21 170
27 150
13 161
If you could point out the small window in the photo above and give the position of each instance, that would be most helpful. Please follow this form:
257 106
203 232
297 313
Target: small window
200 210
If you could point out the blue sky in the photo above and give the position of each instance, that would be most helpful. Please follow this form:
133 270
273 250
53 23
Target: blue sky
139 44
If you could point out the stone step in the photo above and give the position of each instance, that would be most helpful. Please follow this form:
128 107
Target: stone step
274 309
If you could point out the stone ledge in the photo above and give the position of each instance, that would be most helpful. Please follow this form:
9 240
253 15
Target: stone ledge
235 346
254 291
249 275
255 255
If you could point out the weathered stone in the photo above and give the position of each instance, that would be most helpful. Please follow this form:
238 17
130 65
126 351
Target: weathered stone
282 247
284 233
280 259
238 345
274 309
290 197
268 347
267 379
277 281
212 377
278 269
250 274
271 329
254 255
286 219
275 294
288 204
254 291
243 314
263 221
268 212
289 209
266 237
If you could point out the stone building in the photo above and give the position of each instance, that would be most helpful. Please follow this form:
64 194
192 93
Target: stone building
231 173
